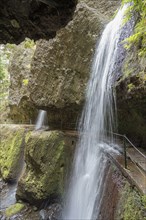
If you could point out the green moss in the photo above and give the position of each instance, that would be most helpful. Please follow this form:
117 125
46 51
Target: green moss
131 205
44 175
144 201
27 136
130 86
10 150
139 36
14 209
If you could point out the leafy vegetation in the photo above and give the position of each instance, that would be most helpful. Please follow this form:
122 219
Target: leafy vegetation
28 43
139 36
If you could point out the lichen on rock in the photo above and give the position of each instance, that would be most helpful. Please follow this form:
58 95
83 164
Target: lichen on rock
14 209
44 175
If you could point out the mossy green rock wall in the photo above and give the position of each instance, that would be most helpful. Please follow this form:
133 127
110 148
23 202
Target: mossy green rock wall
11 147
44 174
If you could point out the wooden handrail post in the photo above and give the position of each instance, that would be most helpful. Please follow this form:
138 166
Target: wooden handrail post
125 152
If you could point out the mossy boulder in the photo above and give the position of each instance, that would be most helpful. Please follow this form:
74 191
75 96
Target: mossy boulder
43 178
11 151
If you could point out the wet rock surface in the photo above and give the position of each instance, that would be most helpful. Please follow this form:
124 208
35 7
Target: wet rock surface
7 195
131 98
126 31
114 182
33 18
27 212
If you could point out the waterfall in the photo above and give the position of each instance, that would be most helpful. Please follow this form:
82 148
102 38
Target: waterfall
87 181
41 119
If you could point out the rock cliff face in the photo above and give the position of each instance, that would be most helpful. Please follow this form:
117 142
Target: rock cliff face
61 66
60 70
21 109
131 98
33 18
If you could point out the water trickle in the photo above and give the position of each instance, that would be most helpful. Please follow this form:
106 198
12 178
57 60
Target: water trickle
86 185
41 119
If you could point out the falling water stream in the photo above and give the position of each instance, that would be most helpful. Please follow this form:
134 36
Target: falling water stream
86 185
41 119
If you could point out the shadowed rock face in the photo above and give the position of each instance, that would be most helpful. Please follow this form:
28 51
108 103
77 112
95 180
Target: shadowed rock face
131 98
33 18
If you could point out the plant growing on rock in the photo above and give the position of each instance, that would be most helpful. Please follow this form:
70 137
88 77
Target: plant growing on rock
139 36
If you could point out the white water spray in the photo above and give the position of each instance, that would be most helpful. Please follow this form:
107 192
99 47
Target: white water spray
86 186
41 119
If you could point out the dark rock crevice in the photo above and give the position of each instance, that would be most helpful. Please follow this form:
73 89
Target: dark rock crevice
33 19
